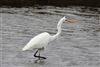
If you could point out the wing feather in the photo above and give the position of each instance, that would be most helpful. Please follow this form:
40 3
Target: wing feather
38 41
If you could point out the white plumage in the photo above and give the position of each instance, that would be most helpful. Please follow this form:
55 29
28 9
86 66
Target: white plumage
38 41
42 40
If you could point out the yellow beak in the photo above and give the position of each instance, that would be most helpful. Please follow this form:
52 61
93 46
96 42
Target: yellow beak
70 21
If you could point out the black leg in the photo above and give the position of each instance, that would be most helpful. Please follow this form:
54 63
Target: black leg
35 54
39 55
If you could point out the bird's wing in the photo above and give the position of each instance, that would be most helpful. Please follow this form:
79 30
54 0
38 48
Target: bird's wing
38 41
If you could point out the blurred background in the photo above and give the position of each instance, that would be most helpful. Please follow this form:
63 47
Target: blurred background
20 3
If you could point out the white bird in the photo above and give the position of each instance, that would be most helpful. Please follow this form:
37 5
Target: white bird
40 41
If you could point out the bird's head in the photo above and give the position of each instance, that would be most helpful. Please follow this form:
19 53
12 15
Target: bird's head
66 20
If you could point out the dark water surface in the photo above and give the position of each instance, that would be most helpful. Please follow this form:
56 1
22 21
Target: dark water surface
78 45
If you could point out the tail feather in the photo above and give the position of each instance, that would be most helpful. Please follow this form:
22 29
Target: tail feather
23 49
27 47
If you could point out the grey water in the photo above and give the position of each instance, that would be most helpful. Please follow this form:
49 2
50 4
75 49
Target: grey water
78 44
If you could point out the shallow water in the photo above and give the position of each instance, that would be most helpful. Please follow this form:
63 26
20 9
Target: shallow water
78 45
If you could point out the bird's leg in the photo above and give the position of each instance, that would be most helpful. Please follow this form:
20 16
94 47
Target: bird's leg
35 54
41 56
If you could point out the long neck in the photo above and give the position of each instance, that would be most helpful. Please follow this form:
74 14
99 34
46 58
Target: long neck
59 30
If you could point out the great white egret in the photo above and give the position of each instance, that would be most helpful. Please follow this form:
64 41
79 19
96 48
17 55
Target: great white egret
40 41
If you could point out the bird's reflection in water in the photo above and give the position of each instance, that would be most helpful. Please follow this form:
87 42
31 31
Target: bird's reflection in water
36 63
39 61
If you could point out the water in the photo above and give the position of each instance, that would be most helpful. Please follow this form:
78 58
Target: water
78 45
